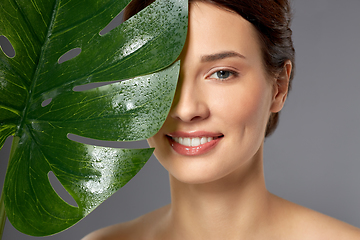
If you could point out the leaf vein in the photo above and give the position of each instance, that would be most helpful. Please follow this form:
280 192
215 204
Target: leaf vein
27 21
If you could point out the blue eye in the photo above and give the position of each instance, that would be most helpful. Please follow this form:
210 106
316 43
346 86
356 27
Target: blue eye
222 74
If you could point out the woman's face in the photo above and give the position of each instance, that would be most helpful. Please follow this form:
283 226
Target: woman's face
223 99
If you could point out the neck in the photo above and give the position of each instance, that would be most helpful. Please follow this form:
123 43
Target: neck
231 207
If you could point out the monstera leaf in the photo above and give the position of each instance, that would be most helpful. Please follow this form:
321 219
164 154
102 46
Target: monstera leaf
38 104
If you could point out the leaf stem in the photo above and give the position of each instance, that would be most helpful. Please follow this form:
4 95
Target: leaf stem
2 214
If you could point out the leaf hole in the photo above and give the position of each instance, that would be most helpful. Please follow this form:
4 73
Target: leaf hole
69 55
112 144
60 190
89 86
46 102
7 47
119 19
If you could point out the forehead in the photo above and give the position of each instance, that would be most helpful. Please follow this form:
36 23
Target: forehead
214 29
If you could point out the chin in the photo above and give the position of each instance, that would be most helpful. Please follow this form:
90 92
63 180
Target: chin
194 179
198 172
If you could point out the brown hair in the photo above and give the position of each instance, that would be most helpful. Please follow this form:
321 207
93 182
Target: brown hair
271 18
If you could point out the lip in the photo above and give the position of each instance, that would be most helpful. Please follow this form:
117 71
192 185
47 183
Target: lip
196 150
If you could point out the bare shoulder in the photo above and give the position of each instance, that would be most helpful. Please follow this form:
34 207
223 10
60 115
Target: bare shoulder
139 228
309 224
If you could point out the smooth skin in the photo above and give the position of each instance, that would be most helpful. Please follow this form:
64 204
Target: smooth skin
221 194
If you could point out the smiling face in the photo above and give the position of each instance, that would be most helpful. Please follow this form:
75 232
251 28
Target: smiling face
223 99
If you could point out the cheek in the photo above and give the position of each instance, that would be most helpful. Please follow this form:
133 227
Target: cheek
160 143
154 141
244 106
151 141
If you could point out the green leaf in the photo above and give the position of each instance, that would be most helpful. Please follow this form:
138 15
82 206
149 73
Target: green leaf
142 50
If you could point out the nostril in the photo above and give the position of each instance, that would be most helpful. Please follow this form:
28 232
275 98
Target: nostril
190 116
195 118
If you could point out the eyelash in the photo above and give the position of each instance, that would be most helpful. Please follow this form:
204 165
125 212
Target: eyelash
231 74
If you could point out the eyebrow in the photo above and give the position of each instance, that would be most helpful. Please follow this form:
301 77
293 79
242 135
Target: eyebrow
221 55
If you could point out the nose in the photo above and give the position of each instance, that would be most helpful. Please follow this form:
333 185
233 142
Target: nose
190 102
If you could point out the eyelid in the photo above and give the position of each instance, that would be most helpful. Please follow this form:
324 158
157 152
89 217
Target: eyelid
233 72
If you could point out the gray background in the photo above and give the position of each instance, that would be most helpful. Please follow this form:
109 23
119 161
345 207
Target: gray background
313 157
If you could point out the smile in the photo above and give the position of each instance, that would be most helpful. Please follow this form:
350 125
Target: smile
193 142
193 145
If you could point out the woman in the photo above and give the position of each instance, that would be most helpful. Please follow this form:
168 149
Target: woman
236 70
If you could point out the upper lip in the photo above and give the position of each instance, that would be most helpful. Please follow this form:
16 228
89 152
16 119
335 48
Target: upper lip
194 134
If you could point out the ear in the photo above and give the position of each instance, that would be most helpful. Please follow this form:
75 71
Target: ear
281 86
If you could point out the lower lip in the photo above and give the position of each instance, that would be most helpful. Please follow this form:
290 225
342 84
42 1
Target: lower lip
193 151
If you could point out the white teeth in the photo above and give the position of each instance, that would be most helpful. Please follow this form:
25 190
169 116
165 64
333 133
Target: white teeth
187 142
192 142
195 142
